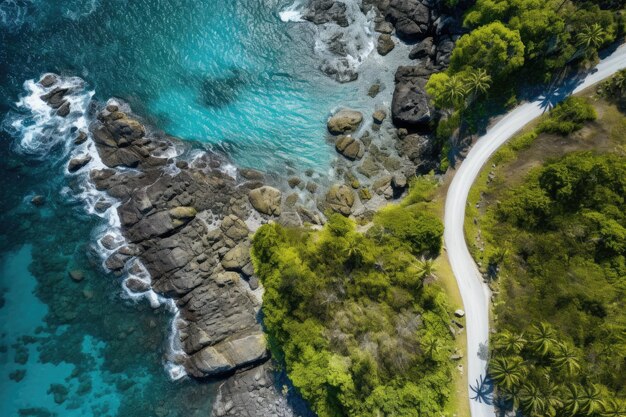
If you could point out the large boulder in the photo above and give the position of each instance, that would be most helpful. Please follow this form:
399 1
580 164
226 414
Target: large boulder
266 200
385 44
349 147
411 104
340 198
344 121
410 18
78 162
423 49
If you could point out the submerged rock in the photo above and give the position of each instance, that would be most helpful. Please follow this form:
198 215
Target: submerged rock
77 275
349 147
38 200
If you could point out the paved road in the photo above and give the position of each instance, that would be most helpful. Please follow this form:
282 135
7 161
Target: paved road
474 292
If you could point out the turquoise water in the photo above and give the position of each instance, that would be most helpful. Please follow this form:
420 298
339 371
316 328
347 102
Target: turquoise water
228 74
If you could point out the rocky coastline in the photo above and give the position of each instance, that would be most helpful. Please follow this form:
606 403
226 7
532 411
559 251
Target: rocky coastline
187 217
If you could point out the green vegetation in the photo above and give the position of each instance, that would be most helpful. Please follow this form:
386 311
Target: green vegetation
615 89
547 223
361 328
569 116
561 253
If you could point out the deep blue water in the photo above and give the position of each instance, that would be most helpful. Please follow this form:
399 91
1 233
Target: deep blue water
228 74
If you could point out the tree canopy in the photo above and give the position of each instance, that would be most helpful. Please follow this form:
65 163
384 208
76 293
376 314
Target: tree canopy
359 330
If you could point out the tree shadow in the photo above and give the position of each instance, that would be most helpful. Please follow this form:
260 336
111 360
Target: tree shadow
482 390
554 94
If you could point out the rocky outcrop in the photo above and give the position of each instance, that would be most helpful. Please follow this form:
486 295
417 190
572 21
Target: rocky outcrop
121 140
411 18
184 228
56 98
253 393
344 121
266 200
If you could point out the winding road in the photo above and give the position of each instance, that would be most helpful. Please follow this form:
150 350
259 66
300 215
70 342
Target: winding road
474 292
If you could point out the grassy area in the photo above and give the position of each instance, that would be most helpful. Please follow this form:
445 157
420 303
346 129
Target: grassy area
459 400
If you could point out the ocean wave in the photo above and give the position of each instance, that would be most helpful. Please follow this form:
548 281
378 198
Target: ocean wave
341 49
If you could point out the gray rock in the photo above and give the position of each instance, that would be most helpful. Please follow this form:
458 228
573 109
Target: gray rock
410 18
340 198
399 181
77 163
229 355
423 49
237 258
385 44
411 106
327 11
48 80
379 116
64 110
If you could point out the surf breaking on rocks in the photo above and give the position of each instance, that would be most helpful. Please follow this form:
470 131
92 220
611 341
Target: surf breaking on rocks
53 122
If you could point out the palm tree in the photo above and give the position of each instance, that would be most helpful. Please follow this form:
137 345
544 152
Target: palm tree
543 338
426 268
507 372
591 399
455 92
477 82
553 398
532 401
509 342
565 358
614 408
591 37
572 400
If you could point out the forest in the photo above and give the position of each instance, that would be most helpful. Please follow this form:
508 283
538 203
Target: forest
358 320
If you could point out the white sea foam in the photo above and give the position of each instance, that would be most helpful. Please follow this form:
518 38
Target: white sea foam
292 13
357 39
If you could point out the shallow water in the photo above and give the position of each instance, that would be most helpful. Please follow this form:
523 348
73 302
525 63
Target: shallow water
231 75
